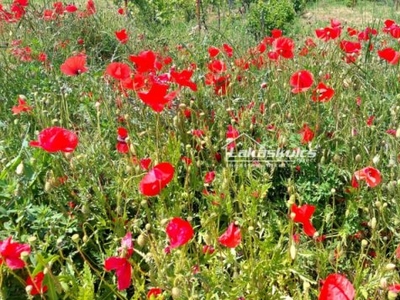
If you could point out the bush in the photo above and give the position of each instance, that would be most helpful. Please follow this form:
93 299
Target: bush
267 15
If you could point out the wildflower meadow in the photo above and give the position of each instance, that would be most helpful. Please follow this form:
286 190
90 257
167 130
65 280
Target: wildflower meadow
188 158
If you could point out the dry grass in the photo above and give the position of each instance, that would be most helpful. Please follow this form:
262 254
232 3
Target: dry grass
363 14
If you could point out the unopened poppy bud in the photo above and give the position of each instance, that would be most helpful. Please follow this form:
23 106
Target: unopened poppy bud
20 168
75 238
336 158
182 106
31 239
390 267
29 289
148 226
398 132
45 270
383 283
188 146
54 121
392 295
358 158
207 239
251 228
143 203
85 209
292 199
306 286
333 191
292 215
176 293
141 240
24 255
376 159
373 223
164 222
202 114
378 204
293 251
48 186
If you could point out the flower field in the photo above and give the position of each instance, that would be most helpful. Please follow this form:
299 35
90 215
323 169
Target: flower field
187 164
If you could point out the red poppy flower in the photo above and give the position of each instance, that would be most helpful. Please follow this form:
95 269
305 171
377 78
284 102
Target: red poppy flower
351 31
276 33
303 214
209 177
153 293
284 47
122 146
328 33
179 232
370 120
231 135
10 253
74 65
394 288
371 176
145 163
122 36
183 79
71 8
54 139
121 263
301 81
307 135
228 50
157 97
390 55
337 287
21 107
156 179
90 7
217 66
119 71
213 51
207 249
145 61
37 284
123 270
232 237
350 47
322 93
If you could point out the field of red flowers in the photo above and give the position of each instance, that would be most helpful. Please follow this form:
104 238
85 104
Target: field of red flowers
142 165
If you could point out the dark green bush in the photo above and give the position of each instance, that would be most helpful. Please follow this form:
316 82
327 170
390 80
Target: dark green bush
269 14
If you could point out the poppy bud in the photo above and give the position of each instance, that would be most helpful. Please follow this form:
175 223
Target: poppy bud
148 226
85 209
31 239
85 238
358 158
20 168
75 238
336 158
164 222
376 159
141 240
29 289
383 283
390 267
175 293
182 106
373 223
48 186
293 251
398 132
251 228
378 204
292 200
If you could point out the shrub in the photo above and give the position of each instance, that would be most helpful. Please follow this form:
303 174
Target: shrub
267 15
